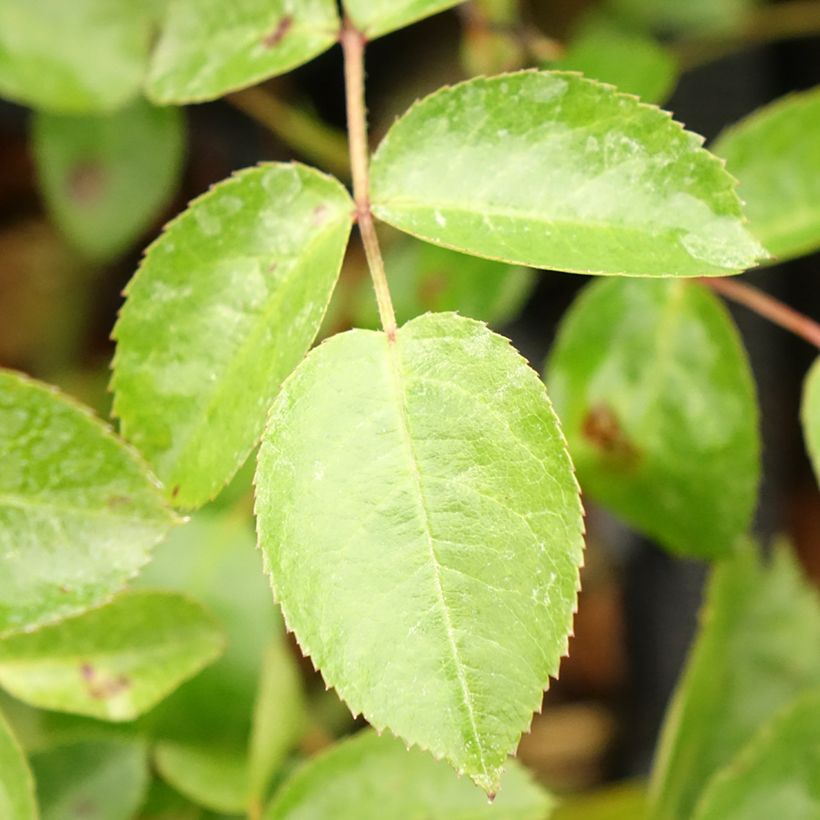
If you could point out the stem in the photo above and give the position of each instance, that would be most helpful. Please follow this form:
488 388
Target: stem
353 43
767 306
297 128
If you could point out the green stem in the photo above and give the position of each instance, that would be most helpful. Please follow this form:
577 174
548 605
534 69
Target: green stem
353 44
297 128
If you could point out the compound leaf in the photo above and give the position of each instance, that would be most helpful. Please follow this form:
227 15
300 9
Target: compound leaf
16 783
777 772
79 512
775 154
753 655
810 415
208 48
105 177
553 170
368 777
115 662
423 486
377 17
224 305
658 405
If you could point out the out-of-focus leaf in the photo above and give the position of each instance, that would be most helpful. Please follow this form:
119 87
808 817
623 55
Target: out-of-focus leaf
79 513
775 153
754 654
16 783
115 662
223 307
690 17
377 17
553 170
100 780
163 803
810 415
777 774
420 522
210 47
368 777
622 802
658 405
106 177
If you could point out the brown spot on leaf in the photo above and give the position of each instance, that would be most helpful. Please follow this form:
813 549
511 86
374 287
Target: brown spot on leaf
175 491
101 686
320 213
86 183
116 502
602 428
278 34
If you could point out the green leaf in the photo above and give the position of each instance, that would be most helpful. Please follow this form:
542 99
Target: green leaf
635 63
620 802
658 405
775 154
425 278
368 777
106 177
776 774
693 16
377 17
208 49
78 512
420 522
754 654
115 662
74 57
224 306
101 780
16 782
810 415
553 170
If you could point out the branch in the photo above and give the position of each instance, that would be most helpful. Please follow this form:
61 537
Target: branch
767 306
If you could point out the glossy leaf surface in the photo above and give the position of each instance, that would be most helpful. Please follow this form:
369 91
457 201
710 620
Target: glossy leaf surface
376 17
776 775
78 56
368 777
749 660
115 662
106 177
552 170
424 488
775 153
78 512
16 783
810 415
208 48
94 780
225 304
658 405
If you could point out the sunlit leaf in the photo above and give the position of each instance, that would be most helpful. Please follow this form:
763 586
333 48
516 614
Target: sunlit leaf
754 654
776 774
810 415
658 405
376 17
371 778
553 170
225 304
16 783
79 513
775 153
421 523
115 662
209 47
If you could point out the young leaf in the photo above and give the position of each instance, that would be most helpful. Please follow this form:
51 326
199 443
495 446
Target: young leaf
775 154
105 177
75 57
754 654
368 777
115 662
99 780
79 513
776 774
420 522
553 170
658 405
16 782
377 17
810 415
225 304
208 49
